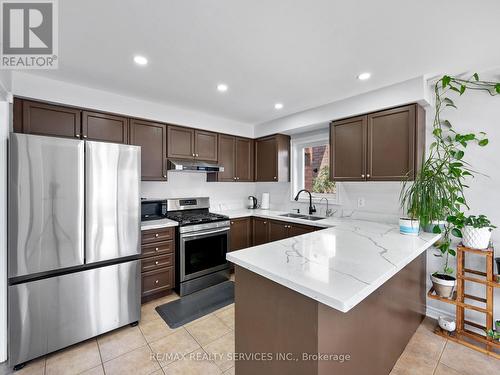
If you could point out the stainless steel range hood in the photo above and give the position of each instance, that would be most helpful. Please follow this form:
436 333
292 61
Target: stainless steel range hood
181 165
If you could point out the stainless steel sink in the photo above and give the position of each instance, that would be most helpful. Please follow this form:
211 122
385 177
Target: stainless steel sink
312 218
295 216
304 217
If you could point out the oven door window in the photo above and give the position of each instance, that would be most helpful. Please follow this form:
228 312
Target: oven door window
203 253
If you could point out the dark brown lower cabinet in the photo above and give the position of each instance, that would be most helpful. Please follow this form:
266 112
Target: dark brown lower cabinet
157 263
241 234
265 230
260 231
278 230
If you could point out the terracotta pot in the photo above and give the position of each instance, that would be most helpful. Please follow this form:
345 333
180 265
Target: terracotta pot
443 284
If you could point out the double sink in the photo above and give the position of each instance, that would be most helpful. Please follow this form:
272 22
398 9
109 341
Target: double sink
303 217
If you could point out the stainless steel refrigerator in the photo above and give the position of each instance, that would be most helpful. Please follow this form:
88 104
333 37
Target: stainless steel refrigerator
74 242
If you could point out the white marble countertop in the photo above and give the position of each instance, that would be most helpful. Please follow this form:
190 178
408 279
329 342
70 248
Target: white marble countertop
339 266
156 224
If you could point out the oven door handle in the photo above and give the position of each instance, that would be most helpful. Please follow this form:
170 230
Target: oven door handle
196 234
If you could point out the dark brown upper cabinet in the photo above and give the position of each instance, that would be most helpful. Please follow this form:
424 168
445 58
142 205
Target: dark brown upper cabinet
33 117
241 234
236 156
381 146
152 137
272 158
104 127
348 139
187 143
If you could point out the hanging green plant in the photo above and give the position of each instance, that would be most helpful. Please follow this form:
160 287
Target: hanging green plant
437 193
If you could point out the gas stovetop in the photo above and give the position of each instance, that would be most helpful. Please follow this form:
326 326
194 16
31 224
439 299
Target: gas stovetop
192 217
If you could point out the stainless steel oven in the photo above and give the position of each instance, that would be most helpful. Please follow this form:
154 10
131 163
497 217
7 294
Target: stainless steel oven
202 244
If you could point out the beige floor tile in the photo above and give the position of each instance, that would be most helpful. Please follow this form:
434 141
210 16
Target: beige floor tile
198 320
227 316
148 311
409 364
137 362
222 347
231 371
155 329
94 371
120 341
74 360
169 348
468 361
195 363
445 370
208 330
35 367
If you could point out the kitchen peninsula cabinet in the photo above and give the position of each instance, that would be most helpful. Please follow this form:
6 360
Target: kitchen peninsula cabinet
236 156
272 158
265 230
381 146
152 137
187 143
260 231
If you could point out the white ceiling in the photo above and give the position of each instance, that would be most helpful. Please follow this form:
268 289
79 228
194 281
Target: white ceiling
300 53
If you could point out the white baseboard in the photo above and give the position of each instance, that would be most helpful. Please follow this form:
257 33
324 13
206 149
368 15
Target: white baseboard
435 313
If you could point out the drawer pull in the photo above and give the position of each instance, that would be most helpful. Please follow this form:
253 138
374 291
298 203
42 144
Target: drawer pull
157 262
156 249
157 281
156 234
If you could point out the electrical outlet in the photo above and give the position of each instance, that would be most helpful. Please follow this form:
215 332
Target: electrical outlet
361 202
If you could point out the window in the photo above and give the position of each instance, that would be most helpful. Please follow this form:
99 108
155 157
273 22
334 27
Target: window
311 166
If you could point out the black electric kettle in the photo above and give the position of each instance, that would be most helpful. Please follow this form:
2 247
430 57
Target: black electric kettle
252 202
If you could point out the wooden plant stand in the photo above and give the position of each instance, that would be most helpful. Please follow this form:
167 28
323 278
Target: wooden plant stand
463 334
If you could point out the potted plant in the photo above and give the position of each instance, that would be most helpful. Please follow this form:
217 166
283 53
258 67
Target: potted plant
436 197
494 334
476 233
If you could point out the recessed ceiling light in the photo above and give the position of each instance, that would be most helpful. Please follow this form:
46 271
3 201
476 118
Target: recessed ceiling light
278 106
222 87
140 60
364 76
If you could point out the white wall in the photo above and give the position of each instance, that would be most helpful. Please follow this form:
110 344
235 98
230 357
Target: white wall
410 91
37 87
223 195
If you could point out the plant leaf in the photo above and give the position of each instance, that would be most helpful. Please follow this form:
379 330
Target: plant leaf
497 88
462 89
476 76
483 142
446 80
456 232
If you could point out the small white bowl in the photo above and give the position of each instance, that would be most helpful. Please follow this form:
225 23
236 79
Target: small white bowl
447 324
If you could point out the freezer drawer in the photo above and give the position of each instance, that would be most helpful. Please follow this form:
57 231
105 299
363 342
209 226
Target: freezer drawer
112 201
50 314
46 197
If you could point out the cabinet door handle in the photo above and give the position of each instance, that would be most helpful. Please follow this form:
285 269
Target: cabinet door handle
77 135
157 281
156 234
84 136
193 155
156 249
232 222
362 176
265 222
274 177
367 176
157 262
164 176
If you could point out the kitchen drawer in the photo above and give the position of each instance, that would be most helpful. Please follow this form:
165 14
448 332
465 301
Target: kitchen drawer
156 235
153 263
157 280
159 248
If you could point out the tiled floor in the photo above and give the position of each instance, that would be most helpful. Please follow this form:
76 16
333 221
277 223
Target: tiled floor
130 350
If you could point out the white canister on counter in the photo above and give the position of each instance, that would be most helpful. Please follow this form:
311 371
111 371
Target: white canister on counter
265 201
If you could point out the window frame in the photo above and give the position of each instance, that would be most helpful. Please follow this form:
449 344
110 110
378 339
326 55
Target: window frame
298 143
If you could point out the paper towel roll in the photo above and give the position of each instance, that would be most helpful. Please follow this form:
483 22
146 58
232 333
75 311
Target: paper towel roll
265 201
